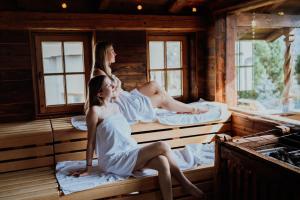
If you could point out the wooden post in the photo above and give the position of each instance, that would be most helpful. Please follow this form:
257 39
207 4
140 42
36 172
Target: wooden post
289 38
231 36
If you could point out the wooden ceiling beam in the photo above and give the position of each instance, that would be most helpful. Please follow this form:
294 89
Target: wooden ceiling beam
275 35
177 6
103 4
247 6
268 20
82 21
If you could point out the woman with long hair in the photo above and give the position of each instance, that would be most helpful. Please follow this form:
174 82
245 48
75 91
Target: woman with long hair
139 103
118 153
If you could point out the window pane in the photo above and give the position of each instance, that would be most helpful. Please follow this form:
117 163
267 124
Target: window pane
75 88
246 53
159 77
73 56
174 83
174 55
156 50
54 88
52 57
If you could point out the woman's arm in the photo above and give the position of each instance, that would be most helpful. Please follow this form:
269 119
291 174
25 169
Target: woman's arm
92 121
118 86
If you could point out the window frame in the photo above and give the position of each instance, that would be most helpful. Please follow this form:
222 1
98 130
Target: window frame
39 76
184 69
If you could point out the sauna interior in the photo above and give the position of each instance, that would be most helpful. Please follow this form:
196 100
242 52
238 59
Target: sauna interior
240 59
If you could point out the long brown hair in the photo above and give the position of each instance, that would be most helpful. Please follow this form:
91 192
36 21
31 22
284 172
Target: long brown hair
100 56
94 86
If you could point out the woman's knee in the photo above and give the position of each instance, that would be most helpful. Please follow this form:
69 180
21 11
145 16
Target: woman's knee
163 147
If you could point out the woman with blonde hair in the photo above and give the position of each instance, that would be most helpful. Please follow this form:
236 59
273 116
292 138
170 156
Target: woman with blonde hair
138 104
109 135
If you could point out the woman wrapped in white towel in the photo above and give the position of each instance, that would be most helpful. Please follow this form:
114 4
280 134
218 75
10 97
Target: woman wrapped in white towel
138 104
110 136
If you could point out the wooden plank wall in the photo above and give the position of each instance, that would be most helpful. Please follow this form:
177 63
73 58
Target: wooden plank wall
16 99
243 124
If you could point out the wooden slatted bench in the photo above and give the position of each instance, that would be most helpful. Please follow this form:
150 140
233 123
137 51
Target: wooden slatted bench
70 144
27 160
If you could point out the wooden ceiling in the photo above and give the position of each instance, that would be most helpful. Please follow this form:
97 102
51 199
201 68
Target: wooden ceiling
160 7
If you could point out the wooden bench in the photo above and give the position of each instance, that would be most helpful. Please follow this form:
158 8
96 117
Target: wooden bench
24 146
70 144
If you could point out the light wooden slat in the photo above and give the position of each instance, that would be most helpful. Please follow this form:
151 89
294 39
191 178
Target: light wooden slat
70 156
177 192
27 178
21 191
141 184
47 194
70 146
25 172
182 132
157 126
26 152
34 183
22 140
69 135
26 164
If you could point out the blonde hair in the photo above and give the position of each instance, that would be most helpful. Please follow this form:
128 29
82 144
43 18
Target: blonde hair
100 58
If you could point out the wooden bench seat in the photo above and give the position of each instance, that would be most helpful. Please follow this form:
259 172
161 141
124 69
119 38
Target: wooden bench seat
23 146
38 183
70 144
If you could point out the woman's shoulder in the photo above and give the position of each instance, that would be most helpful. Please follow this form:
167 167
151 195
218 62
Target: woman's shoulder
98 72
94 112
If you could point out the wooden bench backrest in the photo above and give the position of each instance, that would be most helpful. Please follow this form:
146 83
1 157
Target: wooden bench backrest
26 145
70 144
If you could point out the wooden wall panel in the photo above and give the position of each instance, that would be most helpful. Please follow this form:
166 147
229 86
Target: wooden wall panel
16 99
131 60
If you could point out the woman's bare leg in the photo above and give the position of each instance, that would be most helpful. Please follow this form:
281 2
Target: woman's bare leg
151 151
161 164
159 98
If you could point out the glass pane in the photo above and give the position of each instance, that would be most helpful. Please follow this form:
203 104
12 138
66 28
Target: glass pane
74 56
246 53
159 77
174 83
54 89
52 57
75 88
174 54
156 50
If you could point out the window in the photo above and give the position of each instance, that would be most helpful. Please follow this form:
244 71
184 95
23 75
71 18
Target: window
61 72
260 67
167 63
244 65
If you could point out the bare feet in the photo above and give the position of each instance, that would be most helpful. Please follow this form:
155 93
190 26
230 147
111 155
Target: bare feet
195 111
195 192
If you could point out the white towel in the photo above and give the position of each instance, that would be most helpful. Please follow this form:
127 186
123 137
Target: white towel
191 156
217 111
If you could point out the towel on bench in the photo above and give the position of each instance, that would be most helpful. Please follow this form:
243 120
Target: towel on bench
191 156
216 111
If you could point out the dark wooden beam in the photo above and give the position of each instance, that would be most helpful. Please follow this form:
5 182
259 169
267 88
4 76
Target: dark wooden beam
103 4
247 6
269 21
71 21
177 6
274 35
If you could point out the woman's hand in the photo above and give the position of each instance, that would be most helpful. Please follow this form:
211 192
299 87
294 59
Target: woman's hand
81 172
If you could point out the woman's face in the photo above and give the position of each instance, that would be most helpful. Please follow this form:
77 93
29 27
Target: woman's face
107 89
111 55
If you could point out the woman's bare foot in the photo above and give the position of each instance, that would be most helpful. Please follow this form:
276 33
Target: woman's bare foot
199 110
195 192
